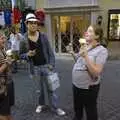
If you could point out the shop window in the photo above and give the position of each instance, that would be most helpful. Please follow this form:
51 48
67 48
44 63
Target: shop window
68 30
114 25
5 4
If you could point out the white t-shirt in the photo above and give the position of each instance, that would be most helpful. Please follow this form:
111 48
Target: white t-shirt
15 41
80 75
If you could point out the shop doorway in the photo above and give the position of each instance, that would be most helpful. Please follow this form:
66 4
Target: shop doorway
68 29
114 25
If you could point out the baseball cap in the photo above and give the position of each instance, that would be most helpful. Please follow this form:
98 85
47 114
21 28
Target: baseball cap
31 17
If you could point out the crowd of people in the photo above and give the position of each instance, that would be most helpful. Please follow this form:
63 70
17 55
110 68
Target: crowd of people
34 47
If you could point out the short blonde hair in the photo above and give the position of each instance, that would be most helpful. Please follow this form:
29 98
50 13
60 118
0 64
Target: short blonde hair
98 32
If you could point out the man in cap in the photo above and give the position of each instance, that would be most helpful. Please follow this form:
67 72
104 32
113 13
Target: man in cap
38 51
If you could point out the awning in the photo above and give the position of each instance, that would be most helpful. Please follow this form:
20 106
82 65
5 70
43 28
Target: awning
72 9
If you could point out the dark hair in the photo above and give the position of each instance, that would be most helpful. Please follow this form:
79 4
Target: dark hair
100 35
98 32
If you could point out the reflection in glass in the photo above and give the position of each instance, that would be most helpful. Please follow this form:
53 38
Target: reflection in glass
65 32
114 29
55 33
69 29
79 26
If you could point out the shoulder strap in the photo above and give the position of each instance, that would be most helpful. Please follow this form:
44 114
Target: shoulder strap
94 47
42 37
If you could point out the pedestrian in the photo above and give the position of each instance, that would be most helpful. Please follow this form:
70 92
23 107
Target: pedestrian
14 40
42 59
86 74
5 63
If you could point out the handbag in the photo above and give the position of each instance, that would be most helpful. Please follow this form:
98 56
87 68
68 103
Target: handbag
3 86
3 76
53 81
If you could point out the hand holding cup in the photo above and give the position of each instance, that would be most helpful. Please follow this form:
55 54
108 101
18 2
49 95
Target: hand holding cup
83 48
31 53
9 58
69 48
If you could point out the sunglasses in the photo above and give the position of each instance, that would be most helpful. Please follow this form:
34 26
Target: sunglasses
32 22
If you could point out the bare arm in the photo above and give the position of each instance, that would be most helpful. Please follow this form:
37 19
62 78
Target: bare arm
96 67
3 67
74 56
93 68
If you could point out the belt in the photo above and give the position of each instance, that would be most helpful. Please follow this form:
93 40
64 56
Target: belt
81 70
94 86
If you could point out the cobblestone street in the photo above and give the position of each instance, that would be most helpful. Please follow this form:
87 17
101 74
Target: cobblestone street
26 97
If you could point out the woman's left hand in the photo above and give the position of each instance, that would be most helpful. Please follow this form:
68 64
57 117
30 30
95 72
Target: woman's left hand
9 60
83 51
50 67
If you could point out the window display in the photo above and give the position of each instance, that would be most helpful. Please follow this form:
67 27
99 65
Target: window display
68 30
5 4
114 26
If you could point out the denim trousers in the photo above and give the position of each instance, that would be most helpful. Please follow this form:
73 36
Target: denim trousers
41 73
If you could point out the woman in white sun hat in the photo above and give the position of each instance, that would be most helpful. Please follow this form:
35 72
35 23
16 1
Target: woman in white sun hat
39 52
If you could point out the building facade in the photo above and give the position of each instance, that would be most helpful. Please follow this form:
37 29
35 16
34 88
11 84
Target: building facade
110 10
67 20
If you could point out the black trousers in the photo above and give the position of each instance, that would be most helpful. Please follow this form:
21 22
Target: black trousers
85 98
11 93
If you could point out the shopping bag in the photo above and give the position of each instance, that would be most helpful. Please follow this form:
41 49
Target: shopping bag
53 81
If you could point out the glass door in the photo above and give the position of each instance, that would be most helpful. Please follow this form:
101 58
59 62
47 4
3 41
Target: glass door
65 22
79 26
68 29
114 27
55 33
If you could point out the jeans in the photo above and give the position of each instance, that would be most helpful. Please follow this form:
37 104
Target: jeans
41 72
85 98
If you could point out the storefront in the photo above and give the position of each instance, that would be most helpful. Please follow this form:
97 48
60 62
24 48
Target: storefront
73 17
110 11
67 25
5 4
68 29
114 25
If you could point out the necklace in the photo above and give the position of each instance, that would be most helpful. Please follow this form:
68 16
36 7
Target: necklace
34 38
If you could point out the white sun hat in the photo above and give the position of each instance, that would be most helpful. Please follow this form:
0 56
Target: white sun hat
31 17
